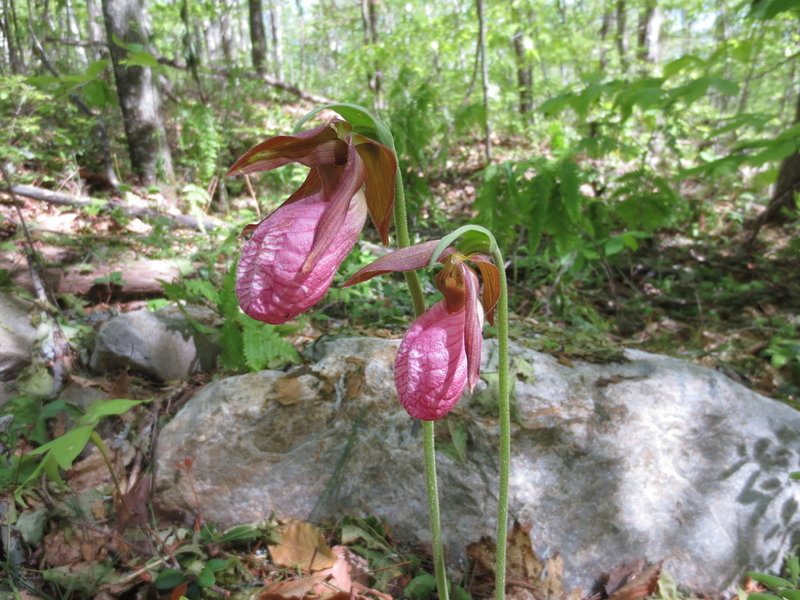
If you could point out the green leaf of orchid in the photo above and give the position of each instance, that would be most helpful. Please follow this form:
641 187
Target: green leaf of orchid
472 240
360 118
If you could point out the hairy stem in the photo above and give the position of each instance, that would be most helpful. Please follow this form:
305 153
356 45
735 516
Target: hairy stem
403 240
429 441
505 428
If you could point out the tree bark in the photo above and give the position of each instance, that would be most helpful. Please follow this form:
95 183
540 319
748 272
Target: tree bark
605 28
9 26
97 37
225 33
786 187
487 131
369 18
648 34
620 38
258 38
524 74
138 93
74 32
277 42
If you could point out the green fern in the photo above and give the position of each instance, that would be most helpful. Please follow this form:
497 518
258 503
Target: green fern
202 288
539 192
264 347
646 202
232 346
201 142
245 344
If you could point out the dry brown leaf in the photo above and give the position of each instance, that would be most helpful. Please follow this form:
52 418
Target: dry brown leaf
521 561
58 550
552 582
623 574
291 588
339 577
303 546
527 577
483 552
132 507
643 584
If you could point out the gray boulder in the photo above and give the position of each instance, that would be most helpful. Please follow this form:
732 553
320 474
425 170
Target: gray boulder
162 345
17 336
653 457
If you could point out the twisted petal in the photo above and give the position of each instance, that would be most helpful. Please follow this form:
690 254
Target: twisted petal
339 187
379 189
431 366
473 324
270 282
315 147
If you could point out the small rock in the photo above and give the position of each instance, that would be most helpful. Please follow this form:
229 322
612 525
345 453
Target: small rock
162 345
17 336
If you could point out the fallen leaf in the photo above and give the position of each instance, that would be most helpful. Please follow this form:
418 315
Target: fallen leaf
341 580
339 577
643 584
179 590
521 561
623 574
527 577
302 545
291 588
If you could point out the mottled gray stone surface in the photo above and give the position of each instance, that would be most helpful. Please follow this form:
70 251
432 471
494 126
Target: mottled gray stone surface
161 345
652 458
17 336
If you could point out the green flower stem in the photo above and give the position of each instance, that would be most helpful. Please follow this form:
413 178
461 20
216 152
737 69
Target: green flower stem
505 428
429 441
101 446
403 240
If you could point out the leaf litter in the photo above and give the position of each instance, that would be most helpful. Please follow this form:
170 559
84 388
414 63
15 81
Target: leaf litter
529 577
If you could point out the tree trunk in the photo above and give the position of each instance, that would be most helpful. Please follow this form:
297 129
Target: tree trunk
191 48
369 18
788 182
258 38
8 24
484 82
524 74
620 39
74 33
786 187
605 28
647 33
225 33
95 28
277 43
138 93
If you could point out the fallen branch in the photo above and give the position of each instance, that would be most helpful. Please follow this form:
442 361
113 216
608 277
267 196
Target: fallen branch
269 80
36 193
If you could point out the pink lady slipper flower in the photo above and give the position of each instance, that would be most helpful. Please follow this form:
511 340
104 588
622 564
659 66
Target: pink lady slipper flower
290 258
440 354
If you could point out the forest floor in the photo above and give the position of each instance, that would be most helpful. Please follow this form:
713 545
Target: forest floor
701 298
